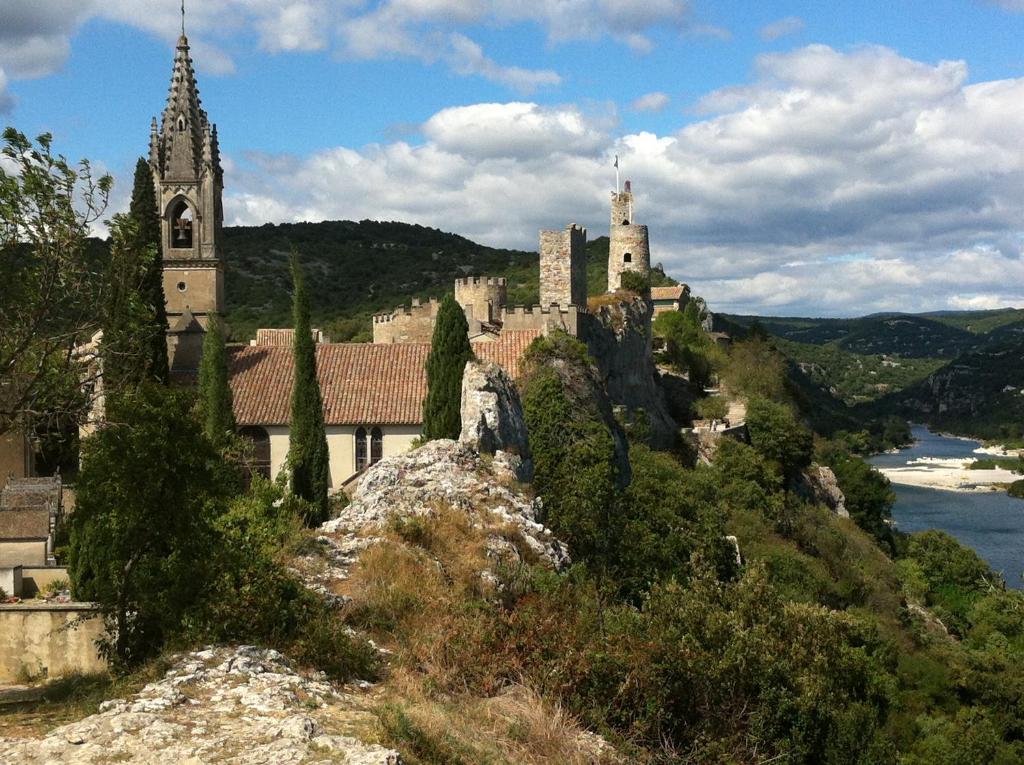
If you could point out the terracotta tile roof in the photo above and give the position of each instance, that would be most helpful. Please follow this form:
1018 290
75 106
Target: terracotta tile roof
361 383
31 494
25 524
274 337
667 293
507 349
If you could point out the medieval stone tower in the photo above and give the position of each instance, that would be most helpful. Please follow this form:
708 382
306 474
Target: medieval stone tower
629 248
563 267
185 159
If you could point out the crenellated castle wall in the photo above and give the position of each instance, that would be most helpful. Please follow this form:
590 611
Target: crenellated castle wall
406 324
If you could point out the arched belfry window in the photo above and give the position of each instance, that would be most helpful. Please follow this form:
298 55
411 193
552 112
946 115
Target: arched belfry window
181 226
376 446
627 258
361 461
260 440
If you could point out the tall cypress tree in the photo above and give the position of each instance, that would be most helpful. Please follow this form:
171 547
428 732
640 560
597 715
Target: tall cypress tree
307 449
449 352
215 405
143 211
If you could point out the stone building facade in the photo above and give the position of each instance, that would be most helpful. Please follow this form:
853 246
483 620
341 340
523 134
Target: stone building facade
629 247
184 156
563 267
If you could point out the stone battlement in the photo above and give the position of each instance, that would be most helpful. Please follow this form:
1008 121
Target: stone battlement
416 309
406 324
481 281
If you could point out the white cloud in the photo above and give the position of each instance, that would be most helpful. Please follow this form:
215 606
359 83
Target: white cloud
650 102
781 28
6 99
516 130
35 38
467 58
834 182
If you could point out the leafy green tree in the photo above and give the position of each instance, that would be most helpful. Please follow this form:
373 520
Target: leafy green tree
449 352
141 534
755 368
576 469
635 282
215 403
779 436
869 494
308 458
144 212
50 287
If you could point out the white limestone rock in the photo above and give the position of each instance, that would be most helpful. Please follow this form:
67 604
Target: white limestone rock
242 705
452 473
823 487
492 415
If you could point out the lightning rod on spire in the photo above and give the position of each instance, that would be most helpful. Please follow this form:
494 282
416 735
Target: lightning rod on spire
182 18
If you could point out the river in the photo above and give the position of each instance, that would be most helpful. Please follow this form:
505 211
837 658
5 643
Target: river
990 522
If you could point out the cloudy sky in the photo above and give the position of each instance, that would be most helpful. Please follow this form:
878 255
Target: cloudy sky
791 158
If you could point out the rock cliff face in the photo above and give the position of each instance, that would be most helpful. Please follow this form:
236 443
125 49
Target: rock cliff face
492 415
819 484
481 474
241 705
453 474
619 339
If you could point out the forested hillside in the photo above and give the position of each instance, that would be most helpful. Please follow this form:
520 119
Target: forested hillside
959 371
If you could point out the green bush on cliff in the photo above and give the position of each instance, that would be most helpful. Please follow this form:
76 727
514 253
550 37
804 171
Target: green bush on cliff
1016 489
779 436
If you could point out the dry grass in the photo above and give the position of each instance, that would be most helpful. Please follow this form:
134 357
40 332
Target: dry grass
517 726
68 699
449 697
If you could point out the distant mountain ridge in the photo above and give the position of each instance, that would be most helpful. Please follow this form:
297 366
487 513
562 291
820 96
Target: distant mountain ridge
961 371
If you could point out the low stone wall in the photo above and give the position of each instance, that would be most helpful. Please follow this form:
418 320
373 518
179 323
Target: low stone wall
48 639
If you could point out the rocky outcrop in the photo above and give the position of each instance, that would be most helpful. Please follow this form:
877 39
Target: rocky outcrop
619 339
820 485
456 475
492 415
242 705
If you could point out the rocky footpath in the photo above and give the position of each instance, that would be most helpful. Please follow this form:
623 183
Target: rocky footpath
241 705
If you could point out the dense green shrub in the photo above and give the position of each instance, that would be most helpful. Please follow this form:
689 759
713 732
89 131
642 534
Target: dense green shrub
779 436
142 534
1016 489
636 282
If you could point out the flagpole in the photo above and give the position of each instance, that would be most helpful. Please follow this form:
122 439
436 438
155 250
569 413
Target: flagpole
616 173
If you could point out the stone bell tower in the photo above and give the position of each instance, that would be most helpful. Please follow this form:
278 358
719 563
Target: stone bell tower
185 159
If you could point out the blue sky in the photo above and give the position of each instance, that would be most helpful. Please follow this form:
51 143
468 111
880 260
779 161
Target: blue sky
790 157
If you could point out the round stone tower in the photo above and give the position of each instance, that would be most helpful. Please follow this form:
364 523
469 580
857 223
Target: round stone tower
629 247
485 296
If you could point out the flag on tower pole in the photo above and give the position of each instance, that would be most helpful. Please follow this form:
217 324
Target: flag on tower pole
616 173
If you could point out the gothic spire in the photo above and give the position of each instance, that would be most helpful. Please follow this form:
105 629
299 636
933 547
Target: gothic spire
184 127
